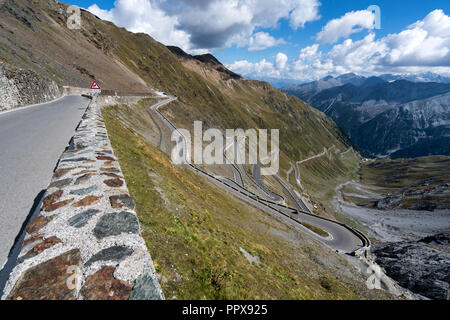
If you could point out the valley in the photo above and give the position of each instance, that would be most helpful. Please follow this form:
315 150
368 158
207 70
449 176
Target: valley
396 118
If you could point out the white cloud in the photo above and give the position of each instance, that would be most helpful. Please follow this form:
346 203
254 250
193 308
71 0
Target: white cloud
359 55
424 43
437 23
421 47
304 12
310 65
351 22
143 16
280 61
309 53
263 40
208 24
262 69
102 14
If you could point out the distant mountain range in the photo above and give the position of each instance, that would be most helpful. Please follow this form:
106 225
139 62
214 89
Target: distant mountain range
421 77
386 115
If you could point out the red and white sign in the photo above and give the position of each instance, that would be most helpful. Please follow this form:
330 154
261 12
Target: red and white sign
95 86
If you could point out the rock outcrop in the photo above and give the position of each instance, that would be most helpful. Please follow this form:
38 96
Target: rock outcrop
421 266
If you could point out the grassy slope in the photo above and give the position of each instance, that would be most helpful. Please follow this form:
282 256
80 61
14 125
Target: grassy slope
220 101
194 233
401 173
413 177
321 176
228 103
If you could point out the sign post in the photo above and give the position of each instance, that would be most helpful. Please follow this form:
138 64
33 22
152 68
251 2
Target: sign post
95 88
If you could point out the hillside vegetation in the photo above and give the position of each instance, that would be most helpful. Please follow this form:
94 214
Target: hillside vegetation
207 244
417 184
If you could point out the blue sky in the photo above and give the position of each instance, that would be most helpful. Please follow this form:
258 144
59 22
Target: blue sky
395 16
266 40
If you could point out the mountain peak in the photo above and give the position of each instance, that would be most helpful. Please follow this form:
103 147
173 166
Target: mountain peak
372 81
178 51
207 59
327 78
348 76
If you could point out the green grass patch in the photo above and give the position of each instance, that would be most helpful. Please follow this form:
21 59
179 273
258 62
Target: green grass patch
314 229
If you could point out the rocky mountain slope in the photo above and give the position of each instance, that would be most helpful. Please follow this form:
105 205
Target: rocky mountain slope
19 87
34 36
421 77
196 233
422 266
405 206
397 118
307 90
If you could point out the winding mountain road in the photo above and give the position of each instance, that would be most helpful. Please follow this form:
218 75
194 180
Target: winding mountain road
341 237
31 141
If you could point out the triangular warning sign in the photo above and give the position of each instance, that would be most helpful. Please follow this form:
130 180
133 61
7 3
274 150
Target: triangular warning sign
95 85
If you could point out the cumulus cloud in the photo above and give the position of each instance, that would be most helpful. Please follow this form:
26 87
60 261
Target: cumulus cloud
351 22
280 60
358 55
262 69
209 24
144 16
310 64
263 40
304 12
422 46
424 43
103 14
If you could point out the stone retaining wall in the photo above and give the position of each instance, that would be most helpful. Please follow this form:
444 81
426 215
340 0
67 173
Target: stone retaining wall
86 242
19 87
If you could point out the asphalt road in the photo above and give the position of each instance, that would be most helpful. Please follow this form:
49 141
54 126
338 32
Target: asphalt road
237 174
340 238
298 202
31 141
256 170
